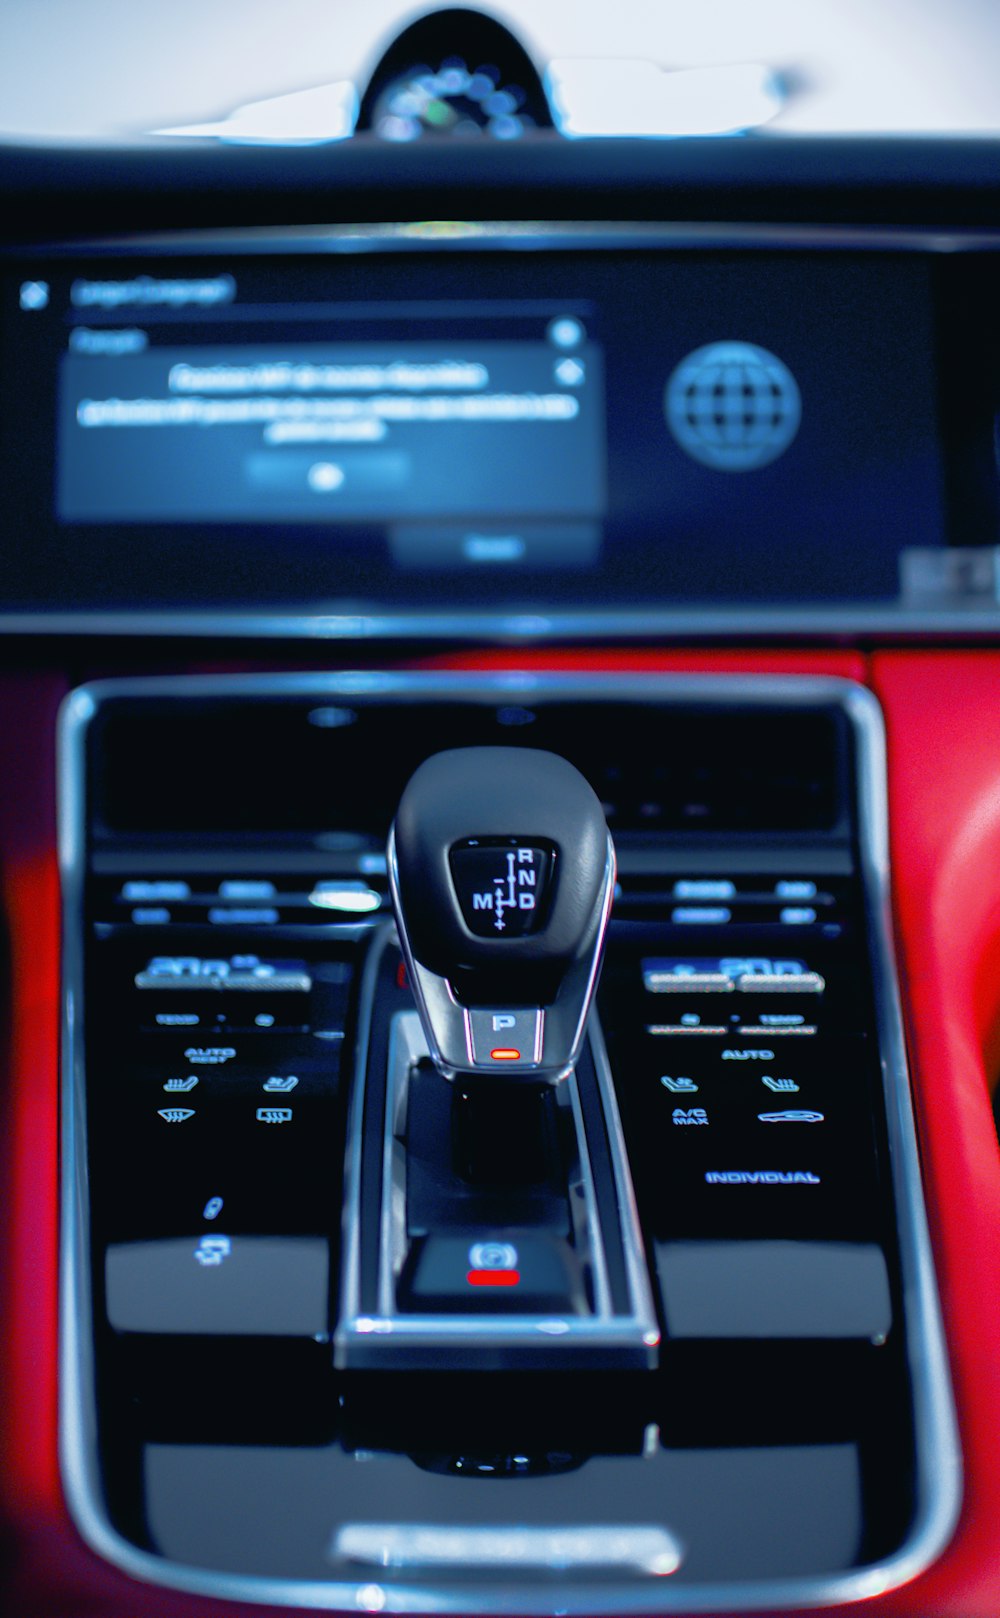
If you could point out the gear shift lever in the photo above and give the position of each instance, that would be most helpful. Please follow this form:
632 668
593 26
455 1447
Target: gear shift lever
491 1225
502 872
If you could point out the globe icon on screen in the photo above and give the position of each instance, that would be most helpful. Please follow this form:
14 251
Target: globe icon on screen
733 406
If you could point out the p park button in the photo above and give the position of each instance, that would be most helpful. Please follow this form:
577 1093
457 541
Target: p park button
502 1039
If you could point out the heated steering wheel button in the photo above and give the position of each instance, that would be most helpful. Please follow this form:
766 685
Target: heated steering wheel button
502 885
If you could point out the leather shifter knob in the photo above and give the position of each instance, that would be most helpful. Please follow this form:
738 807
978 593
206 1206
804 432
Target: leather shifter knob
501 870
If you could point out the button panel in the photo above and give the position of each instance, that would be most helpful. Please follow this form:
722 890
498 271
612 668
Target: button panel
215 1122
342 890
780 1393
748 1081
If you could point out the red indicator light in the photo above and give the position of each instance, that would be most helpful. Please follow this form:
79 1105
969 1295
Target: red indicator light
505 1054
493 1278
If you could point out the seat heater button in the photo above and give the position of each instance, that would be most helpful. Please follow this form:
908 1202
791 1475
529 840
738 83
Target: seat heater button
220 1285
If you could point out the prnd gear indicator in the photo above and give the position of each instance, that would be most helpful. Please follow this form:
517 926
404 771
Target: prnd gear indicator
502 884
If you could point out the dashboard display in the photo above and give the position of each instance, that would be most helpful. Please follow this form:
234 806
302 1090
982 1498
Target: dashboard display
453 430
468 430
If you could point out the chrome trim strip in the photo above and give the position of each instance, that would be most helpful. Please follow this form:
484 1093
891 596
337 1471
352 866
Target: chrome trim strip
938 1457
407 1043
636 1273
449 235
362 1341
742 690
507 626
350 1222
643 1307
938 1452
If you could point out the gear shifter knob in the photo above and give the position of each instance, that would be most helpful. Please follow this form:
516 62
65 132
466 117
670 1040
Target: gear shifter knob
502 870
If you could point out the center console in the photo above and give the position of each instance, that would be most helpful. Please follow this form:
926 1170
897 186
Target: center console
352 1321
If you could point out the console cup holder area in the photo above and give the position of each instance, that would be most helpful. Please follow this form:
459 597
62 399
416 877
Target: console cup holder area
683 1351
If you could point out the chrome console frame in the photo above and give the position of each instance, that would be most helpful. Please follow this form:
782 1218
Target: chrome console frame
605 1339
938 1458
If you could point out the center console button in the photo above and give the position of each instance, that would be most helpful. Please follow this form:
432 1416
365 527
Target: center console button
786 983
504 1273
500 1036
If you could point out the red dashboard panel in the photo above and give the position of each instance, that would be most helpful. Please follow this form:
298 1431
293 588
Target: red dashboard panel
943 724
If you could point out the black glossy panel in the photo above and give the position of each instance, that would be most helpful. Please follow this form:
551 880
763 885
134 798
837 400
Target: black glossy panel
339 765
774 1440
774 1289
220 1285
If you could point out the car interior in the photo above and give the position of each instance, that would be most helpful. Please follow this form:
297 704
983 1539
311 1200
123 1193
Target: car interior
499 864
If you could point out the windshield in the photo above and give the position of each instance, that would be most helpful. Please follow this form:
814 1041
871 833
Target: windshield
111 69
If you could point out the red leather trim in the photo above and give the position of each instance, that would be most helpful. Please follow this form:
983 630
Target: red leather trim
848 665
943 721
28 1242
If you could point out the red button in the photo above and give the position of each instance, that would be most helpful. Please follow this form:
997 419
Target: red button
505 1054
493 1278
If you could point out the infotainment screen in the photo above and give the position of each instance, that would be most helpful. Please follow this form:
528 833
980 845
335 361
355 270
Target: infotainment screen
495 440
460 430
